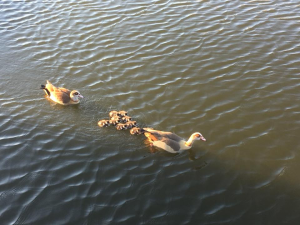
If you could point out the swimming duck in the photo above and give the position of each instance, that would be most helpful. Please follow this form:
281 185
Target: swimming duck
131 124
113 113
103 123
114 122
117 118
122 113
169 141
60 95
121 126
136 131
126 118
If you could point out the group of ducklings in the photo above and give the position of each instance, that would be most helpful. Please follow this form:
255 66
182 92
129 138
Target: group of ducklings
121 121
165 140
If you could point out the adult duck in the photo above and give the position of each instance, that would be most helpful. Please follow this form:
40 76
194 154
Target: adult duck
169 141
61 95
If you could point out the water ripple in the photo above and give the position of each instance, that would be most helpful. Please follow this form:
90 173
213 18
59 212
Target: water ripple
227 69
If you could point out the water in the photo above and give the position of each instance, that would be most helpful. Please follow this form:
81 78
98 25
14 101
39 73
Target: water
228 69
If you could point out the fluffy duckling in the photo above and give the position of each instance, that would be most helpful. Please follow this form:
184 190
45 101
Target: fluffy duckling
126 119
113 113
117 118
122 113
121 126
103 123
114 121
136 131
131 124
60 95
169 141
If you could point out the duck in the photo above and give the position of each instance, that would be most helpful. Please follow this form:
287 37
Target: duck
126 118
61 95
113 113
169 141
136 131
131 124
103 123
122 113
115 120
121 126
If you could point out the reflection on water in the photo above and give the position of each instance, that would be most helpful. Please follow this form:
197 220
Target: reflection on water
227 69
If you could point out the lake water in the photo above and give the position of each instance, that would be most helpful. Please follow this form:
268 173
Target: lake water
228 69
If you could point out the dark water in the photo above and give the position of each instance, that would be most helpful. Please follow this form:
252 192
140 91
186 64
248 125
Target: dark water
229 69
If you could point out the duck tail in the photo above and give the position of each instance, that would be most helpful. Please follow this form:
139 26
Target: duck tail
45 89
143 130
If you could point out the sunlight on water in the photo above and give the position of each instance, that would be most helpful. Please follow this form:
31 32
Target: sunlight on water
227 69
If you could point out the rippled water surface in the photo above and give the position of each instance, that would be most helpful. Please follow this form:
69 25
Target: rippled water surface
229 69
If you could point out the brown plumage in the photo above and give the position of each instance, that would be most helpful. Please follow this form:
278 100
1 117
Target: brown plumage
121 126
122 113
60 95
126 118
169 141
136 131
103 123
113 113
131 124
115 120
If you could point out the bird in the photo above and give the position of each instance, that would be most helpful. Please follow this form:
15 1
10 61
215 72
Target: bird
126 118
113 113
131 124
169 141
115 120
121 126
103 123
61 95
122 113
136 131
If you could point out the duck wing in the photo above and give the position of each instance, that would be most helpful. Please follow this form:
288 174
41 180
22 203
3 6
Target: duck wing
164 134
168 145
67 91
61 96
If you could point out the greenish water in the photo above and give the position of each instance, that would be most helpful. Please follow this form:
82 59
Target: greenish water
228 69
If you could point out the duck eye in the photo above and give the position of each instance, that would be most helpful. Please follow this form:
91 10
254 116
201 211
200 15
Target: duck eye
76 93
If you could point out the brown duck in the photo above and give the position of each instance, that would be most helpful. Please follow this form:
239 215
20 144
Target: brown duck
61 95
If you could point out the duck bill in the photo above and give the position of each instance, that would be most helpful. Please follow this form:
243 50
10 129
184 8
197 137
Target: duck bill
80 96
202 138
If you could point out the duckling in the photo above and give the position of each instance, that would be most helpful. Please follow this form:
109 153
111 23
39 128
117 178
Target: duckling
169 141
122 113
103 123
61 95
136 131
117 118
121 126
113 113
126 119
114 120
131 124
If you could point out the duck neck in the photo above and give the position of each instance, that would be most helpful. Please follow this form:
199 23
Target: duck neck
75 99
190 142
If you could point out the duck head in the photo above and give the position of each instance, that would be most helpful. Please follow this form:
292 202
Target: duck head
198 136
75 95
